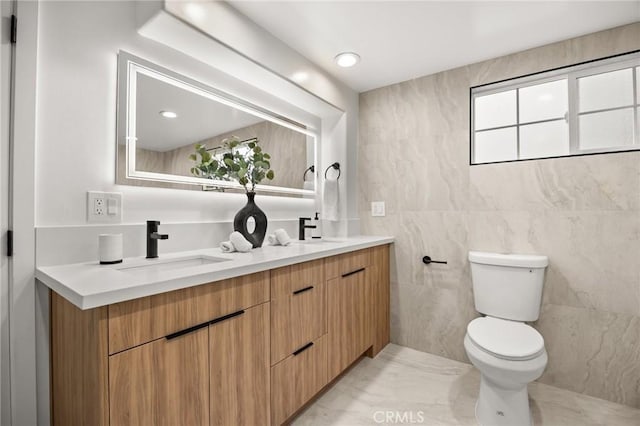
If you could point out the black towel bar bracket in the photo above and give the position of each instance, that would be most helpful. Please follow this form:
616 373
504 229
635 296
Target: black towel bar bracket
311 169
335 166
427 260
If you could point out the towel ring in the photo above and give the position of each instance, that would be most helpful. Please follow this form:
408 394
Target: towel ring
311 169
335 166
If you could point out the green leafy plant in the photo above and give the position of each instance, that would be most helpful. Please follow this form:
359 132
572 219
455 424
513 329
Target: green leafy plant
243 162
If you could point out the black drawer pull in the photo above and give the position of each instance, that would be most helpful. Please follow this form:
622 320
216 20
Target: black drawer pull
352 272
302 349
186 331
225 317
302 290
203 325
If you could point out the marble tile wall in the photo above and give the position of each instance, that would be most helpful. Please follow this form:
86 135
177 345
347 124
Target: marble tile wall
583 212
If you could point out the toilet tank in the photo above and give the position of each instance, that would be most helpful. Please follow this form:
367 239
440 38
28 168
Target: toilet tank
508 286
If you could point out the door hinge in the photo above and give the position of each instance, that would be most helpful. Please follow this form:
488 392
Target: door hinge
14 29
9 243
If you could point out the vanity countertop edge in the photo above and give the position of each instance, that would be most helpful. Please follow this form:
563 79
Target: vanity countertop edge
90 285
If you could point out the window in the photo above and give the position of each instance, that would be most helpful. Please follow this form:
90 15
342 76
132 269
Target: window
583 109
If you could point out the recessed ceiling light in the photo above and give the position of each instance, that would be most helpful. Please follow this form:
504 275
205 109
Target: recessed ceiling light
168 114
347 59
195 11
300 77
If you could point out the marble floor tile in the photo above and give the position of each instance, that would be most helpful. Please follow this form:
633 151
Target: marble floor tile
419 388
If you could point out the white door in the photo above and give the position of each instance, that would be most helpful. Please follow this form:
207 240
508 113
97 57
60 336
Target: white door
6 8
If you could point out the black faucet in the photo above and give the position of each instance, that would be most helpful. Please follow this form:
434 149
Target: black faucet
302 226
153 237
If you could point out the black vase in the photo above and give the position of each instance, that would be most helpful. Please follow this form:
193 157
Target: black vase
240 221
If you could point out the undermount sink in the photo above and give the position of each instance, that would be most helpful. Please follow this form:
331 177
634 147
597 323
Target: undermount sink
160 265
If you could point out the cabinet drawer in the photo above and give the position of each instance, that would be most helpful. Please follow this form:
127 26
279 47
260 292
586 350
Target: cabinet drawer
138 321
297 378
286 280
347 263
298 307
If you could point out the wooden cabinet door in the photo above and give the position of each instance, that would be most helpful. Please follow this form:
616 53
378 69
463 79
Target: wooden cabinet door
349 319
239 361
164 382
380 305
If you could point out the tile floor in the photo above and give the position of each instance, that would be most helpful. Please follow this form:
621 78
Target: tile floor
424 389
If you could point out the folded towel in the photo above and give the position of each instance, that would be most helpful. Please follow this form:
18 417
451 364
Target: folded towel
239 242
330 200
227 247
279 238
282 237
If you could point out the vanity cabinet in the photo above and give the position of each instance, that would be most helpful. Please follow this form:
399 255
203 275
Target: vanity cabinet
243 351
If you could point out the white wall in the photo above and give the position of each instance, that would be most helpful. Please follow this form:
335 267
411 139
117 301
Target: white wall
76 113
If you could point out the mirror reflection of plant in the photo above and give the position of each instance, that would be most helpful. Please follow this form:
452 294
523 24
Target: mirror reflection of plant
245 163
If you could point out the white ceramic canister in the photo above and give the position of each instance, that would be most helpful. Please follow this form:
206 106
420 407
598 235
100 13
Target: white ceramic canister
110 248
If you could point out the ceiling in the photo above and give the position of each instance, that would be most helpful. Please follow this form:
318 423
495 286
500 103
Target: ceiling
401 40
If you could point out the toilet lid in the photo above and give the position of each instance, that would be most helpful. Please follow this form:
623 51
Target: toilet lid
505 339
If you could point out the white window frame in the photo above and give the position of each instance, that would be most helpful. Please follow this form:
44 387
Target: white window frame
571 74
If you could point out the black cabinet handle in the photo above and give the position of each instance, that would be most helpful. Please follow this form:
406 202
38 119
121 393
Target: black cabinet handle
203 325
302 290
225 317
186 331
302 349
352 272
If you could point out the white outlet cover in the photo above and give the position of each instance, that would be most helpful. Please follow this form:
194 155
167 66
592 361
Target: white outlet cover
104 207
377 208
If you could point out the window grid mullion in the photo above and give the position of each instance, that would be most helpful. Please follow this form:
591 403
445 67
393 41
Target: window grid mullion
518 123
572 114
636 131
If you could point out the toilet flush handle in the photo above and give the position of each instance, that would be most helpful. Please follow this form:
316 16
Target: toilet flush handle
427 260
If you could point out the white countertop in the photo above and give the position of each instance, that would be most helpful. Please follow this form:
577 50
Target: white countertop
90 285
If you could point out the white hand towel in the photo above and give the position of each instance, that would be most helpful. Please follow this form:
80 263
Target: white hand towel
330 198
239 242
227 247
272 239
282 237
309 185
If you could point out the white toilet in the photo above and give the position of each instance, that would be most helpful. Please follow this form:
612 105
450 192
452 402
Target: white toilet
507 288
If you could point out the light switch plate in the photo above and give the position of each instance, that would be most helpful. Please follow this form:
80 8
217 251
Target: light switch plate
104 207
377 208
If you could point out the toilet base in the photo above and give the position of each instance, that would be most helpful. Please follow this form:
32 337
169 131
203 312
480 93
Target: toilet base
502 407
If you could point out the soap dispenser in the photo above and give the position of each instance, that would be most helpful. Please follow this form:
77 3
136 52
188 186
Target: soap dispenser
316 232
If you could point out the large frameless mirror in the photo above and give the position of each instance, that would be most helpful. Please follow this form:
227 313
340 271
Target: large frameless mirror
162 116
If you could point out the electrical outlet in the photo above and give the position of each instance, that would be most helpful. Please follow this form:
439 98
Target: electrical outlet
104 207
377 208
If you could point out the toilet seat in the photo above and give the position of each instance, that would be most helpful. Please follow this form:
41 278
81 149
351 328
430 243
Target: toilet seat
509 340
